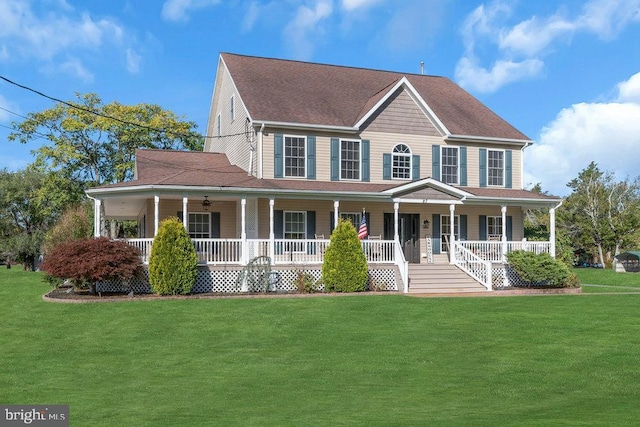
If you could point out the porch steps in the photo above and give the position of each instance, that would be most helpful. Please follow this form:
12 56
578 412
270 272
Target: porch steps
440 277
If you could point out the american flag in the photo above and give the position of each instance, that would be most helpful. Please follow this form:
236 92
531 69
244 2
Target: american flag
363 231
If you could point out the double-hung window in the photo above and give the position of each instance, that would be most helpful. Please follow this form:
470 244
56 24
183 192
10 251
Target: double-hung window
450 165
494 227
353 217
295 159
495 167
401 162
349 159
295 228
199 225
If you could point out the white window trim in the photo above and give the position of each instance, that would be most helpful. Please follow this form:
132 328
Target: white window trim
232 107
504 166
296 248
457 164
284 156
496 218
409 154
359 141
208 214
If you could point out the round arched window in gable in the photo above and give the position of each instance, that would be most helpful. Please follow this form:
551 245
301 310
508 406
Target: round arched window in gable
401 162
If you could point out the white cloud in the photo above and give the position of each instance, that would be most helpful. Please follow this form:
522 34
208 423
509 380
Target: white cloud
178 10
477 78
307 24
351 5
133 61
528 41
6 116
607 133
54 32
74 67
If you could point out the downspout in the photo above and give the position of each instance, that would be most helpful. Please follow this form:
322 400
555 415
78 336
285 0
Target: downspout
97 216
260 159
527 144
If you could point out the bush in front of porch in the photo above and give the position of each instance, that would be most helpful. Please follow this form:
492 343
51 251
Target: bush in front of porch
173 264
542 270
345 266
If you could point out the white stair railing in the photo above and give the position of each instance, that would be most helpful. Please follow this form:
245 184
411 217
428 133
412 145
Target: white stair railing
473 265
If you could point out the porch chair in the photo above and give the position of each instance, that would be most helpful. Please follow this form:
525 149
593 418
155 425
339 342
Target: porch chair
375 247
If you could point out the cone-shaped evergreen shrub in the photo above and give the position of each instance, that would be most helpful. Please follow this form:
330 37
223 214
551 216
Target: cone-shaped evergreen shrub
345 265
173 264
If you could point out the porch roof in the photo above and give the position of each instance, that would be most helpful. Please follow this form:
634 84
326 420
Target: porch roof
203 172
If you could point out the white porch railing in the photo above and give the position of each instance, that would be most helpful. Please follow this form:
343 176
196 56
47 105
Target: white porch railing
281 251
494 251
473 265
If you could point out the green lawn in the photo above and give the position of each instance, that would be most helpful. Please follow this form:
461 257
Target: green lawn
351 360
606 280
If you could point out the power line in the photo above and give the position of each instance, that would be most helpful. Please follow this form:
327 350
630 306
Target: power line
106 116
13 112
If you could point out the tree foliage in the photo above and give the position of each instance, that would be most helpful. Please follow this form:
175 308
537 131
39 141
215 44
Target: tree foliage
27 209
94 143
602 214
86 261
173 264
345 266
75 223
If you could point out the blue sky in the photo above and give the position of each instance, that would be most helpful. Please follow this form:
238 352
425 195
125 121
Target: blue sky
564 72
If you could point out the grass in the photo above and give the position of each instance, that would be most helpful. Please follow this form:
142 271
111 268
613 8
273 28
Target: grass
352 360
594 280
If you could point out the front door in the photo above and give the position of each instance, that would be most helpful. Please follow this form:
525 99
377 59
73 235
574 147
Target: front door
409 233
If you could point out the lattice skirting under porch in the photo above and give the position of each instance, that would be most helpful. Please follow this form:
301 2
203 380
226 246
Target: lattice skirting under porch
504 277
225 280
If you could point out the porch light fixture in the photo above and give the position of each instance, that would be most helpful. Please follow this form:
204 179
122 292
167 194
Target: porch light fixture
206 203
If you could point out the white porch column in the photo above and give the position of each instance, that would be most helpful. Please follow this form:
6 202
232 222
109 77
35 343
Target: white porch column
243 227
185 213
504 233
156 214
452 233
96 217
272 234
336 211
552 231
396 210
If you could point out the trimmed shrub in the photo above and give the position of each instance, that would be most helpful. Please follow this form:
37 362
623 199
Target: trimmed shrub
542 270
173 263
86 261
345 265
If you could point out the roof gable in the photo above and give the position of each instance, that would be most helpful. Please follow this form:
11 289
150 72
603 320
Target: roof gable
283 91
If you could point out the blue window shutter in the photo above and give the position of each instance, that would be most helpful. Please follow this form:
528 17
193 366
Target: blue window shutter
463 166
215 225
278 224
415 167
509 228
278 150
483 227
366 161
435 162
463 227
311 224
335 159
332 223
435 226
508 179
386 166
311 157
483 167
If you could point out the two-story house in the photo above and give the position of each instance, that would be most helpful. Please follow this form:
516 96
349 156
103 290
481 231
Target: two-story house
293 146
